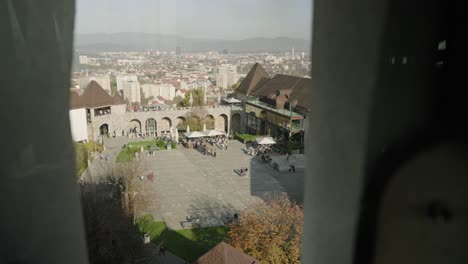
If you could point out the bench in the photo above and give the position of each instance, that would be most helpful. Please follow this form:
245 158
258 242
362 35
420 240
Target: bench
190 223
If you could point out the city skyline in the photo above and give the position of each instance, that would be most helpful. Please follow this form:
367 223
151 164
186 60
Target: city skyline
197 19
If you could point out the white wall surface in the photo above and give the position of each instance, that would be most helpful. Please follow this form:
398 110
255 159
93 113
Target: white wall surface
78 124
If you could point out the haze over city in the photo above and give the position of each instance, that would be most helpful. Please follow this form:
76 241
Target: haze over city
201 19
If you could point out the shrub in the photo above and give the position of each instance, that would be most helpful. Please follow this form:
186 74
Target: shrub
81 158
93 146
161 144
245 138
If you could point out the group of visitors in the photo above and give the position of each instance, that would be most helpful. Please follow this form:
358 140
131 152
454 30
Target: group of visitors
133 130
149 177
166 136
292 168
263 149
104 157
266 158
206 145
243 171
219 141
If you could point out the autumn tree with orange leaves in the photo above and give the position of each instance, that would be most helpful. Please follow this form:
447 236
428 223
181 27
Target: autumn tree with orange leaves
271 231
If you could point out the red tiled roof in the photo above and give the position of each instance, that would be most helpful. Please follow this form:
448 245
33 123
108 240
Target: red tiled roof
296 88
75 100
93 96
224 253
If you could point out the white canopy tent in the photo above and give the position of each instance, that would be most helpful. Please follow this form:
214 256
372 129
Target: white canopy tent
194 134
213 133
265 141
231 100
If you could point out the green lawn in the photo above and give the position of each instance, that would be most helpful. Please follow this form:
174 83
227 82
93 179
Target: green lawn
128 153
188 244
245 138
81 155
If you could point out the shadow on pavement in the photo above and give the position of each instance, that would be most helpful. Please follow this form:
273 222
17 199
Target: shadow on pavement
264 180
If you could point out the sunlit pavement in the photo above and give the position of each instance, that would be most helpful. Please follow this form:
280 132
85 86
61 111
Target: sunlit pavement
187 183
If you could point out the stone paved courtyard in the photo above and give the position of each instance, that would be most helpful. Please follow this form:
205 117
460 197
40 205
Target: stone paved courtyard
187 183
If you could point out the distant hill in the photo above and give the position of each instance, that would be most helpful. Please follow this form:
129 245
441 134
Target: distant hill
146 41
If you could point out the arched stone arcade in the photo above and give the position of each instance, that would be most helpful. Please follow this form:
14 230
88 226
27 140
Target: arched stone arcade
134 128
209 122
165 124
222 123
235 123
151 127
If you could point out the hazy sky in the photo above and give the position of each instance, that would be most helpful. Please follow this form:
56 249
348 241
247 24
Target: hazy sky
221 19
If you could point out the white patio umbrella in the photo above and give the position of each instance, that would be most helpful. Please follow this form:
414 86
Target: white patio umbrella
212 133
265 141
204 127
188 129
194 134
231 100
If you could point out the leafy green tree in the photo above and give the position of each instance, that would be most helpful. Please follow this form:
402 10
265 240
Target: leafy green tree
237 84
197 96
197 117
178 99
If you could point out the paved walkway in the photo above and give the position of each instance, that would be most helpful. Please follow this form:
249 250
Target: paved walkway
188 183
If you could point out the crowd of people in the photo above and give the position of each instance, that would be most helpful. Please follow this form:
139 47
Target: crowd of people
206 146
257 149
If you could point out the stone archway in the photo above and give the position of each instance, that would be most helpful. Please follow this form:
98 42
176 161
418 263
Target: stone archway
222 123
151 127
180 123
165 124
236 123
104 130
209 122
134 128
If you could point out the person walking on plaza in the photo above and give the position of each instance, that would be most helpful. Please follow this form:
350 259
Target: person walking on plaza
162 250
150 176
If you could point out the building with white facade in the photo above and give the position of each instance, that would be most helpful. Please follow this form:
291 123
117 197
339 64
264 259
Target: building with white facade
95 114
83 59
165 90
130 87
226 75
102 80
90 103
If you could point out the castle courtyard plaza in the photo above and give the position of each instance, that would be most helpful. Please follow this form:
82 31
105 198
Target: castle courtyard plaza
187 183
